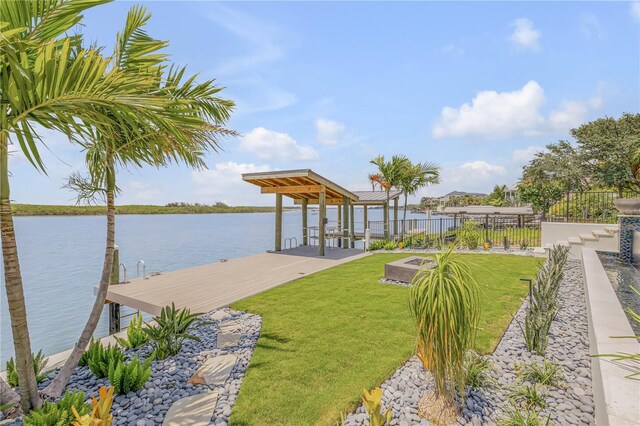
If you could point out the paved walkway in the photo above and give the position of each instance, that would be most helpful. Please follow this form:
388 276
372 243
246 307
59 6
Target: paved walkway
216 285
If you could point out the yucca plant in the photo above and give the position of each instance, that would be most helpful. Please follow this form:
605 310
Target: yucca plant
469 235
514 417
58 413
170 330
547 373
100 414
136 337
372 401
129 377
528 396
445 305
101 357
39 364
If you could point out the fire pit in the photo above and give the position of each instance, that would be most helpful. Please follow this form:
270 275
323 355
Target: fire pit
404 270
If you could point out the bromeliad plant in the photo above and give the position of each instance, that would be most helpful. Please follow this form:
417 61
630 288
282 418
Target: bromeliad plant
39 364
136 337
58 413
100 414
170 330
129 377
372 401
445 304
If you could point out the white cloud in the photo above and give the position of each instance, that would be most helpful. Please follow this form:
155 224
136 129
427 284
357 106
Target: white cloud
472 176
634 10
328 131
224 183
135 192
482 168
525 36
494 114
523 156
452 50
590 26
270 145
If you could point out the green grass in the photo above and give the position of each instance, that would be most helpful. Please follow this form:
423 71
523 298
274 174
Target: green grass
51 210
328 336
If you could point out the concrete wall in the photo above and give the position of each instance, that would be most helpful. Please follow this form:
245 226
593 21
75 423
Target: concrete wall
553 232
617 398
636 248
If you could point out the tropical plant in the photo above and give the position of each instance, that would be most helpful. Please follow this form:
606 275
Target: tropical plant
514 417
469 235
189 123
39 364
135 336
372 401
170 330
477 370
414 177
528 396
389 176
92 348
390 245
101 357
58 413
100 414
129 377
486 245
377 245
547 373
445 304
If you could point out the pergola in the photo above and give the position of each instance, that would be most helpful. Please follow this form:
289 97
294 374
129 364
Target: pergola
305 187
379 198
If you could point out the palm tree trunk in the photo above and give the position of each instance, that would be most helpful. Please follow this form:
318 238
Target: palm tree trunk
387 226
29 397
57 386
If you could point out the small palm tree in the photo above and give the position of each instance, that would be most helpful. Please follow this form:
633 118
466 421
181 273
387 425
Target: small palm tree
444 302
415 177
390 176
199 115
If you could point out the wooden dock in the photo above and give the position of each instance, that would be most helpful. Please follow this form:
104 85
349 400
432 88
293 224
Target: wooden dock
216 285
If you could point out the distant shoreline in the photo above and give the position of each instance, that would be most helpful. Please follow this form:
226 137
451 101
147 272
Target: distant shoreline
57 210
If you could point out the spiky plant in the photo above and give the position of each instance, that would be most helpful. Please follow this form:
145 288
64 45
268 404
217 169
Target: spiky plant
170 330
136 337
99 358
39 364
477 370
469 235
445 304
129 377
528 396
547 373
58 413
514 417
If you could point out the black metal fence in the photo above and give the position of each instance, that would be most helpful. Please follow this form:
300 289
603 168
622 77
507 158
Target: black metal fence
424 233
588 207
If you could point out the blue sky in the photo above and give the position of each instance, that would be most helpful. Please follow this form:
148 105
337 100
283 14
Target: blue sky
475 87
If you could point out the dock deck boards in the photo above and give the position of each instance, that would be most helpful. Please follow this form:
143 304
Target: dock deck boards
207 287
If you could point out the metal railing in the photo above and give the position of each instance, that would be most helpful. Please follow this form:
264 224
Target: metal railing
424 233
589 207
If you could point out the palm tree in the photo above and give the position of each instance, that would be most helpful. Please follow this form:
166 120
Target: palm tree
47 80
374 179
389 176
202 114
414 177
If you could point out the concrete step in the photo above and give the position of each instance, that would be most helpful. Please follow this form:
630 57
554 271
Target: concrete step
588 237
575 241
602 234
195 410
612 229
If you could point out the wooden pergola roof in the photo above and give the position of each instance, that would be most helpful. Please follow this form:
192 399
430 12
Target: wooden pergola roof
299 184
375 198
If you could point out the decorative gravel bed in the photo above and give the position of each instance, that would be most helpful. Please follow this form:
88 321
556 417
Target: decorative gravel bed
168 382
570 404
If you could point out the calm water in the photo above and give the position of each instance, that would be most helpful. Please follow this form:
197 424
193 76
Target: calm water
61 259
624 279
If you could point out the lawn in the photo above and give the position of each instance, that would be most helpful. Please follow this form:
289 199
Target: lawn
327 336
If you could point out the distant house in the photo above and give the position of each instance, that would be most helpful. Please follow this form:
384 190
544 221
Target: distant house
445 199
511 196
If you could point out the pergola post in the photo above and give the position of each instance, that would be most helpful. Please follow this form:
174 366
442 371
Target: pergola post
352 234
339 226
366 224
305 231
278 222
322 213
345 214
395 217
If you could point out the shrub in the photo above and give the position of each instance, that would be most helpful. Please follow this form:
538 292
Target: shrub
372 401
390 245
444 302
514 417
547 374
100 413
136 337
477 370
39 364
170 331
528 396
469 235
376 245
99 358
58 413
129 377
